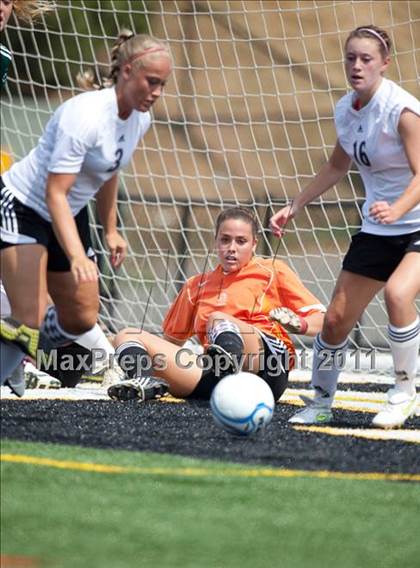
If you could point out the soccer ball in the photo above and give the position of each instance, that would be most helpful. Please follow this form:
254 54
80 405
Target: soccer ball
242 404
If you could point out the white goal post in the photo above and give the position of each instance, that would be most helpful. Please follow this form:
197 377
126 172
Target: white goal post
247 118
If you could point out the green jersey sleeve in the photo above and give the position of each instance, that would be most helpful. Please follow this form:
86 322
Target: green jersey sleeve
5 59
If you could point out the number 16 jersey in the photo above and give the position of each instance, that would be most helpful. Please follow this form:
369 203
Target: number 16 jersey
370 137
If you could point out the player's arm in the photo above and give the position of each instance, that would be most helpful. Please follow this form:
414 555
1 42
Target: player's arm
106 205
64 225
329 174
300 311
409 130
293 322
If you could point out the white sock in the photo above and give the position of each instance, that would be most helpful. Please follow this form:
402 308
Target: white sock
5 308
102 350
10 357
405 342
327 364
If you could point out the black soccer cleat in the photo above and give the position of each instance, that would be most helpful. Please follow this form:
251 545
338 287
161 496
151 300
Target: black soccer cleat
141 388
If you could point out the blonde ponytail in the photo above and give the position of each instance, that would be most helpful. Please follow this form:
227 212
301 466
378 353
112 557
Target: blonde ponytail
29 10
128 47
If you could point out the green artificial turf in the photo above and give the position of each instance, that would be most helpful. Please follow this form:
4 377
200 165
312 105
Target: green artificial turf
71 518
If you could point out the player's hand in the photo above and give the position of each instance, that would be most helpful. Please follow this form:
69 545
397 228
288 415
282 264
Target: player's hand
292 323
117 247
279 220
84 269
384 213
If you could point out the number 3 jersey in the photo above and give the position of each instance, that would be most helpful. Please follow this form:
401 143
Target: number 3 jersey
370 137
85 136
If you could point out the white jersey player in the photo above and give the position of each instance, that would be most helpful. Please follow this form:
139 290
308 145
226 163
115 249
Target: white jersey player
44 222
370 136
378 127
86 137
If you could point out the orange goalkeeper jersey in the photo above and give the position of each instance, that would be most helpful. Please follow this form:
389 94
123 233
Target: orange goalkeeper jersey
248 295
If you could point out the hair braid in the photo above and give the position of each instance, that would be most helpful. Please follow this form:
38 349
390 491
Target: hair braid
126 47
123 36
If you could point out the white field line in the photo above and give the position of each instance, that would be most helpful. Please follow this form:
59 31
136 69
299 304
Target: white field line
299 376
346 400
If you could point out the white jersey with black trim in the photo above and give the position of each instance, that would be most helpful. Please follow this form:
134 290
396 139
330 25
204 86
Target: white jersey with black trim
84 136
370 137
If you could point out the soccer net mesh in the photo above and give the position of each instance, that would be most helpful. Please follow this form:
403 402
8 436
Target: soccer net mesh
247 118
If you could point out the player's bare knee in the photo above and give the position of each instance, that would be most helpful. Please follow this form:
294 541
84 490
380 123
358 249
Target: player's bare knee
215 317
334 330
127 334
396 298
332 320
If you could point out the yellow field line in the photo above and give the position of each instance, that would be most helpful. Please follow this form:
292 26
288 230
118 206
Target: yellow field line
411 436
202 471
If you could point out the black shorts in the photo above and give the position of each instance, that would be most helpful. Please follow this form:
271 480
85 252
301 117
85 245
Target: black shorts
376 256
22 225
275 371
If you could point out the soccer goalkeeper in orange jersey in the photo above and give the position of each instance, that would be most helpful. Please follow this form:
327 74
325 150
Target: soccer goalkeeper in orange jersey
241 313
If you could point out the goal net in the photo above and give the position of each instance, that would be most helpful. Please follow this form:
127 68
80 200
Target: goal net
247 118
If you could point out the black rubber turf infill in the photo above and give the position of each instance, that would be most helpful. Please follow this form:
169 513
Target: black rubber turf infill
187 429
